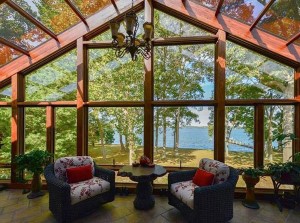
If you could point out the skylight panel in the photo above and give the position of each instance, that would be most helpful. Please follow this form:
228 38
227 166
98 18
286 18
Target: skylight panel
92 7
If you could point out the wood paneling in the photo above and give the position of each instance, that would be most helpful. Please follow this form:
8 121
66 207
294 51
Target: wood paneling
17 121
297 110
50 103
50 125
114 104
219 113
184 40
219 6
238 32
259 136
51 49
238 102
82 96
148 91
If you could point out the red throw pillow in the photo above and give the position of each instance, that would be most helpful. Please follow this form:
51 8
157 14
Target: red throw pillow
80 173
203 178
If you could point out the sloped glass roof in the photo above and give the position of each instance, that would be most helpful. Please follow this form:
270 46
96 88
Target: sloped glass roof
245 11
55 15
18 30
7 54
89 7
282 19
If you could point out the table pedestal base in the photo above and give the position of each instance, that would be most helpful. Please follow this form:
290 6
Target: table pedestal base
144 199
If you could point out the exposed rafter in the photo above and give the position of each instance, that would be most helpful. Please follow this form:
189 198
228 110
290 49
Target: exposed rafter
115 5
292 39
14 46
267 6
77 12
219 7
31 19
2 1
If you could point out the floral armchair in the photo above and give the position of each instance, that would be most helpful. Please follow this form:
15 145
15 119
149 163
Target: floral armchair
213 203
69 201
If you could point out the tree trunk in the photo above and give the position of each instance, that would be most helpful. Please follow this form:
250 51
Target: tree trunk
269 149
156 129
164 137
176 132
123 149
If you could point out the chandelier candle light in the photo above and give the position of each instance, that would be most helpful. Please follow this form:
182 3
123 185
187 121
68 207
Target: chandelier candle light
129 43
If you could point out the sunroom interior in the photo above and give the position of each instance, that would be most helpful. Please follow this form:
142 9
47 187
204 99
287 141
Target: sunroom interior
223 79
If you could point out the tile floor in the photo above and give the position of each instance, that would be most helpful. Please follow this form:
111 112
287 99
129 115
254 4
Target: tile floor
15 207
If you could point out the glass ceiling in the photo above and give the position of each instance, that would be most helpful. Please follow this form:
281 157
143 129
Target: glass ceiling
282 19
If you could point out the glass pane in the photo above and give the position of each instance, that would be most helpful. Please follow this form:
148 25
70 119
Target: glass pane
244 10
239 130
5 135
212 4
278 120
297 41
169 26
250 75
115 79
65 132
56 81
5 93
55 15
183 135
184 72
107 34
19 30
7 54
116 135
282 19
35 129
5 173
88 8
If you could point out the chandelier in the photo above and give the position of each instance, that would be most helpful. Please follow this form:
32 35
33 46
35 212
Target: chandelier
129 43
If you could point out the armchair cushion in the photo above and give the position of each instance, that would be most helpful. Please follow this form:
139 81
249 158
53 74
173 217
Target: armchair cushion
76 174
85 189
184 191
203 178
219 169
61 165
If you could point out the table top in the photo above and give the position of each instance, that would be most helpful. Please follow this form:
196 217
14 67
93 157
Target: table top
130 171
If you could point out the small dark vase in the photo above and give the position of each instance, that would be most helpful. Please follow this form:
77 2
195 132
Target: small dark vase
36 186
250 201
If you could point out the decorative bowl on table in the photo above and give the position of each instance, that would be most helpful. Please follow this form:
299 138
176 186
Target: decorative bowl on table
135 164
146 162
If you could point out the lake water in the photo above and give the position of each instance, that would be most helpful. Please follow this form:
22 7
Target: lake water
198 138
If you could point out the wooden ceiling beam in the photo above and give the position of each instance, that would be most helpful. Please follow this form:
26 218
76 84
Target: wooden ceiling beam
31 19
14 46
115 5
2 1
238 32
263 12
51 50
77 12
292 39
218 10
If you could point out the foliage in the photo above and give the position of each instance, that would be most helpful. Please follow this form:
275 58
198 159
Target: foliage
278 170
34 161
253 172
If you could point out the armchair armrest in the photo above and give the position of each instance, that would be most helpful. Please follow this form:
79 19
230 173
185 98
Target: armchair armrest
60 189
220 195
105 174
179 176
